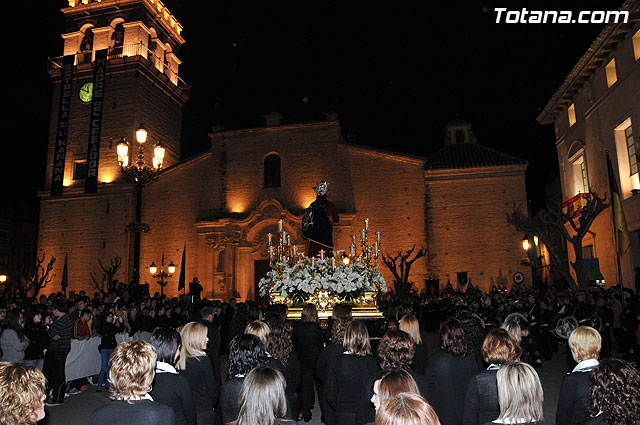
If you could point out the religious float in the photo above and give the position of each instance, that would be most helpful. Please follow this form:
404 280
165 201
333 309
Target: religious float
324 280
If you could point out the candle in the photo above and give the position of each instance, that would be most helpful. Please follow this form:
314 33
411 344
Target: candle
280 226
313 262
294 251
353 249
333 262
353 238
288 239
379 234
376 251
363 234
270 252
269 236
366 224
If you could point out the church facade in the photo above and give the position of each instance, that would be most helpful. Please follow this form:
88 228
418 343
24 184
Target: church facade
220 204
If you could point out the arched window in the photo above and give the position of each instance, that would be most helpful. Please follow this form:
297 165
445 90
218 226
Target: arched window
272 171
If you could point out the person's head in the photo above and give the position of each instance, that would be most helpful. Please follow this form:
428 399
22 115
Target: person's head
22 395
310 313
392 382
15 318
167 342
356 339
262 398
452 338
338 329
85 315
279 344
396 349
259 329
132 368
341 311
500 347
194 342
406 409
513 327
615 390
585 343
410 325
519 393
245 352
206 312
59 309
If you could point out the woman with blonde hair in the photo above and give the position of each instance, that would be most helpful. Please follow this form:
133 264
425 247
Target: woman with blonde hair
131 372
410 325
406 409
259 329
262 398
350 381
22 395
520 395
194 364
573 400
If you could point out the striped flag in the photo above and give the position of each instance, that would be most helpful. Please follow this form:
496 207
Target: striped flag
181 279
65 275
622 233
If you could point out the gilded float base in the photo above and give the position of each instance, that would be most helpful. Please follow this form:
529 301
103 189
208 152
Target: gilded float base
364 307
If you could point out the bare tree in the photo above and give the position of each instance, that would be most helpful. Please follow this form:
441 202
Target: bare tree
31 281
563 221
105 285
400 267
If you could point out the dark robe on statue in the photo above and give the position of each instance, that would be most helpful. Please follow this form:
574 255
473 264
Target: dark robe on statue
317 225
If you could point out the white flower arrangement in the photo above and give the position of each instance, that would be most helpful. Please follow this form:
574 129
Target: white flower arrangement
301 280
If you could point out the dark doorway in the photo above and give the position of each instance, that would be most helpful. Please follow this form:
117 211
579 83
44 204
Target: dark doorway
260 269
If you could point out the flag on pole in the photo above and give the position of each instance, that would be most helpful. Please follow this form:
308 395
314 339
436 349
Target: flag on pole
622 233
181 279
65 275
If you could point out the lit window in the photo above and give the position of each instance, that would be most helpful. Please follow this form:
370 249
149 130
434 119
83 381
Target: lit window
578 168
572 114
636 45
612 76
628 156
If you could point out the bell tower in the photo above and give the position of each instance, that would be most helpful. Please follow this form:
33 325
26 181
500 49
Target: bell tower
119 68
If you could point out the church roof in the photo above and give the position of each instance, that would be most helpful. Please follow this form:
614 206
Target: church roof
467 155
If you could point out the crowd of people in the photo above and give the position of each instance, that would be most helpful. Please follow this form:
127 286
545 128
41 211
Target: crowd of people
193 362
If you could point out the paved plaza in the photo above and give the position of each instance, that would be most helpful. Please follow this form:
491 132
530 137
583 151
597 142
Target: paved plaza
77 409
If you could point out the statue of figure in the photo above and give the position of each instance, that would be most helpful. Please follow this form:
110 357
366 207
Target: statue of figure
318 221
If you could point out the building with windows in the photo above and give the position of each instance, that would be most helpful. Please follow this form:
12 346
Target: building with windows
221 203
597 110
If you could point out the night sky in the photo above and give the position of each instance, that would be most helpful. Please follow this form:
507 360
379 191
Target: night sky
395 73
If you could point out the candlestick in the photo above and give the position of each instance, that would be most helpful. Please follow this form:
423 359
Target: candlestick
271 252
363 234
269 237
353 249
366 224
288 239
313 262
280 226
379 234
294 251
322 254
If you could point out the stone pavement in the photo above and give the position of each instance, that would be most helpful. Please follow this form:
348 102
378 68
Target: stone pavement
76 409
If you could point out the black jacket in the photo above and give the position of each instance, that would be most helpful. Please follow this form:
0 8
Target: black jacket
481 401
420 359
447 378
120 412
204 389
573 400
230 399
38 341
308 339
213 348
349 388
173 390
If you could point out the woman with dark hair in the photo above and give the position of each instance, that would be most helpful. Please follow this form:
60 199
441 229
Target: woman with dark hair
280 346
13 341
392 382
168 386
410 325
481 399
107 328
325 359
396 350
195 366
449 372
308 339
350 382
38 339
614 393
245 352
262 398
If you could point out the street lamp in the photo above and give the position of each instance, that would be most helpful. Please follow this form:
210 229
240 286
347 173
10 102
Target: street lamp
162 275
3 278
139 174
532 254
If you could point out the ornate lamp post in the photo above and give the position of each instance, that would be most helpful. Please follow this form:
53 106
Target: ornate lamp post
162 275
139 174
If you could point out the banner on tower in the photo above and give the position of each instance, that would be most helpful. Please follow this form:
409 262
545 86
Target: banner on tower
62 129
95 122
